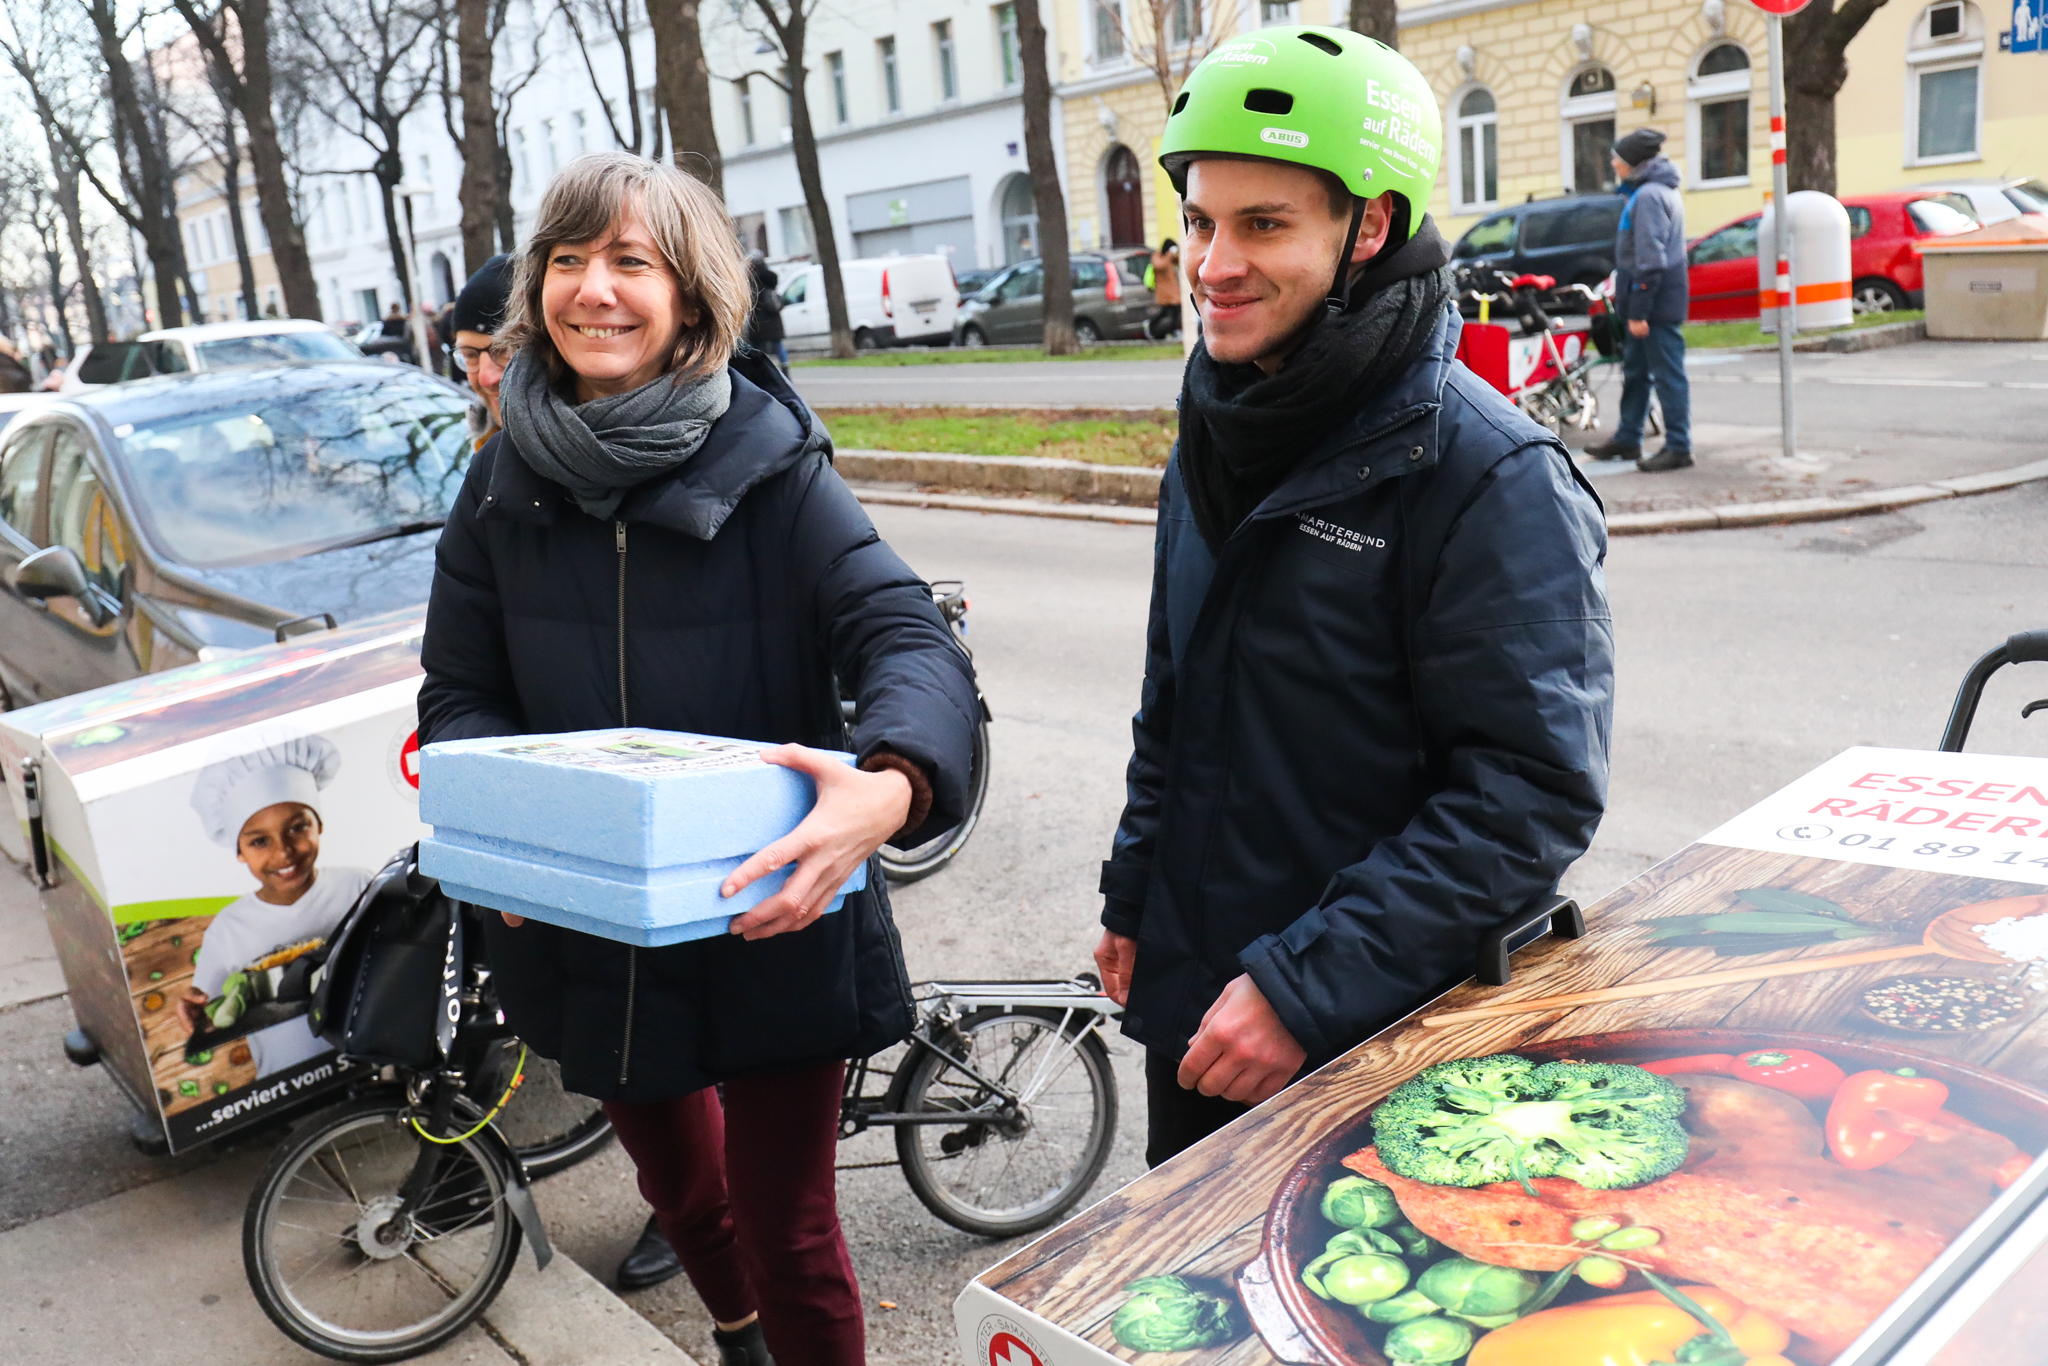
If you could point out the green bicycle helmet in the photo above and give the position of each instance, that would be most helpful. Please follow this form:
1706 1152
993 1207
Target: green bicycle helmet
1325 98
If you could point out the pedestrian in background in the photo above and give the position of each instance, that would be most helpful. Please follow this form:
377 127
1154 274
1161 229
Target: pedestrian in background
764 325
1651 295
473 323
657 538
1162 277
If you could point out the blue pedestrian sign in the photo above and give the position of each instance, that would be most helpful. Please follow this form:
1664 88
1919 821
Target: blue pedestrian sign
2029 17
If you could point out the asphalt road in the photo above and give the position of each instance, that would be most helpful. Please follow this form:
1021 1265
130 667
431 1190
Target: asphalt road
1745 658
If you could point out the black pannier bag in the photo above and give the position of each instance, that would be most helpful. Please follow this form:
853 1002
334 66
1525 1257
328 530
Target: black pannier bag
389 989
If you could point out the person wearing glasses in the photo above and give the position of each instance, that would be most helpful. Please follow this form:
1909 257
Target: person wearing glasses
479 312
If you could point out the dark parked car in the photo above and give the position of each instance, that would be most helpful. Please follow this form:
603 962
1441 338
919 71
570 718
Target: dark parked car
1570 239
152 523
1110 302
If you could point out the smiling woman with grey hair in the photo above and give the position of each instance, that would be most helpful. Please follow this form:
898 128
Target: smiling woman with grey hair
657 539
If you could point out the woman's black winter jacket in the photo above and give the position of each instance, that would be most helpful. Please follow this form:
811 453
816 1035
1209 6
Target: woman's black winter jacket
730 593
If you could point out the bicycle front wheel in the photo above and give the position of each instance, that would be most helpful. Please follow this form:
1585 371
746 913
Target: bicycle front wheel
549 1128
342 1268
1008 1168
921 861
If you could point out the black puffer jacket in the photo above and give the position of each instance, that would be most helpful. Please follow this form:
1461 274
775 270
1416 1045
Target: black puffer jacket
1373 726
742 583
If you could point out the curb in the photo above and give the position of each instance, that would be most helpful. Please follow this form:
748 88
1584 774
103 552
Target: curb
565 1316
1781 513
1130 485
1839 343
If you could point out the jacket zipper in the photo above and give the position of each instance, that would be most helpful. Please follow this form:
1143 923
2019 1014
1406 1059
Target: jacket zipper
632 953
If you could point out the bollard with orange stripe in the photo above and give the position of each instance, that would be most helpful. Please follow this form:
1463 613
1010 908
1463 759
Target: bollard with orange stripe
1818 275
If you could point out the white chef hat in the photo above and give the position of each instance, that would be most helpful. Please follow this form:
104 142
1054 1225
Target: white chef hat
231 791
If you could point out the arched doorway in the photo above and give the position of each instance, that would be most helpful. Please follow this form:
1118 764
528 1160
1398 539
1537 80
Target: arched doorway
1124 198
1018 209
444 278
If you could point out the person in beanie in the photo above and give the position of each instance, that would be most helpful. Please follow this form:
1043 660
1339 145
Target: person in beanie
479 312
764 324
1651 294
1379 666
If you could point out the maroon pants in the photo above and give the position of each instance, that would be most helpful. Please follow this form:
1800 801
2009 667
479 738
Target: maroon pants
744 1192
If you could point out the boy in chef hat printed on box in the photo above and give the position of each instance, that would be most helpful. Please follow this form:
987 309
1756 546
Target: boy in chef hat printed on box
266 807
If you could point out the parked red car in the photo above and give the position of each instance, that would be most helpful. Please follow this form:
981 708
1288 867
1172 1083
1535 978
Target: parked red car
1721 266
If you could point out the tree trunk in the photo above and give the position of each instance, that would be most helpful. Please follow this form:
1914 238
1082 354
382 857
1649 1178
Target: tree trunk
508 229
266 162
390 170
153 212
1375 19
805 143
231 189
682 83
53 261
1045 183
66 173
480 149
1813 75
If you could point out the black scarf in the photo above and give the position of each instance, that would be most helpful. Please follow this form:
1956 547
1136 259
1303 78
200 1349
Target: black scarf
1242 431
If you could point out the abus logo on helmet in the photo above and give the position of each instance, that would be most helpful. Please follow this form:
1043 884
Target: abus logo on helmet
1286 137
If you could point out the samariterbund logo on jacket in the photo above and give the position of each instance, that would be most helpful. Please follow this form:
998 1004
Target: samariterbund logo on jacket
1341 536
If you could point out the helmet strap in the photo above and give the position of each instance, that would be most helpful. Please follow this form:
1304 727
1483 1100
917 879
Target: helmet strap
1340 284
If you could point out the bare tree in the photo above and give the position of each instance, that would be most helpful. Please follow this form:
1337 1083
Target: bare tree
1376 19
1816 67
785 25
475 36
51 55
208 114
236 37
378 62
1171 37
683 83
1051 202
616 18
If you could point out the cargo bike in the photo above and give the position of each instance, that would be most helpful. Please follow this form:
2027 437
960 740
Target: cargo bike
386 1223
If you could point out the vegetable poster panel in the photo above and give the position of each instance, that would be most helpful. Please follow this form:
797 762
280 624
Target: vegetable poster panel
1789 1073
223 864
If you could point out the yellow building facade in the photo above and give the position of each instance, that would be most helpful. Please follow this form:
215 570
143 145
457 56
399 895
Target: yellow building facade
1533 91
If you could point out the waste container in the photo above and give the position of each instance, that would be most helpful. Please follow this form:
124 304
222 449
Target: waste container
197 833
1988 285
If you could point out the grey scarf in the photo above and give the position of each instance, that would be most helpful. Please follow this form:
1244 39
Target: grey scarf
601 449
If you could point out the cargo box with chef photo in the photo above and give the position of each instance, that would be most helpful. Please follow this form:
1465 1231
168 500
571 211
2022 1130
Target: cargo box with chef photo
204 843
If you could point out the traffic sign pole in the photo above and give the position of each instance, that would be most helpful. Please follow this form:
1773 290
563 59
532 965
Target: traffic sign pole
1781 233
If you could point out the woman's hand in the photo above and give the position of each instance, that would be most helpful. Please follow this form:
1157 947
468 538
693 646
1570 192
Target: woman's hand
856 813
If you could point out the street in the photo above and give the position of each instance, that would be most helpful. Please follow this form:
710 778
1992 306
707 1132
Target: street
1745 658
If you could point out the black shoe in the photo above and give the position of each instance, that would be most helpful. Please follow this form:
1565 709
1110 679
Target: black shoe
742 1346
1666 459
1614 450
651 1261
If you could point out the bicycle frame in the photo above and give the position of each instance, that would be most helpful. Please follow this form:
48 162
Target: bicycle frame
1083 1010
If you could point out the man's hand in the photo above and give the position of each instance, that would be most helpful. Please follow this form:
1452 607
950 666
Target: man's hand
1638 327
1242 1052
856 813
192 1010
1114 958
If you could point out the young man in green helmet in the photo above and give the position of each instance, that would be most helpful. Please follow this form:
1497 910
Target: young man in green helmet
1379 667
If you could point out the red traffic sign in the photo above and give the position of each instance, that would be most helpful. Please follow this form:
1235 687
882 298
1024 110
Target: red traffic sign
1781 8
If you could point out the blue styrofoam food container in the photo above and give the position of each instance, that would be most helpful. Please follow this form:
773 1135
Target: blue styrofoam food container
621 833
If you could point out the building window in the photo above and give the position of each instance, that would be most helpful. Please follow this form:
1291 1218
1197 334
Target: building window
579 130
1279 12
1183 21
1588 142
547 134
949 78
746 90
1475 173
892 89
835 63
1007 44
1109 30
1944 85
519 159
796 230
1717 115
424 202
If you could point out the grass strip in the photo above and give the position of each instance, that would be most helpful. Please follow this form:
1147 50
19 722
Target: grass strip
988 355
1751 333
1102 436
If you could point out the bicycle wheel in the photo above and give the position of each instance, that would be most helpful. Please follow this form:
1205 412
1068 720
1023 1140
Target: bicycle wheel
921 861
549 1128
1018 1170
335 1265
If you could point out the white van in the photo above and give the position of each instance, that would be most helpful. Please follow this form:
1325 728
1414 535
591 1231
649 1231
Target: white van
890 301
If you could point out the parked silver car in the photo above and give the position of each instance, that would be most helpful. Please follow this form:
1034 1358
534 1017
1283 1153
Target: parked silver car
1111 302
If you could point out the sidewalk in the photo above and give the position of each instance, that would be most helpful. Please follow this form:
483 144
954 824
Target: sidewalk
116 1257
1877 430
